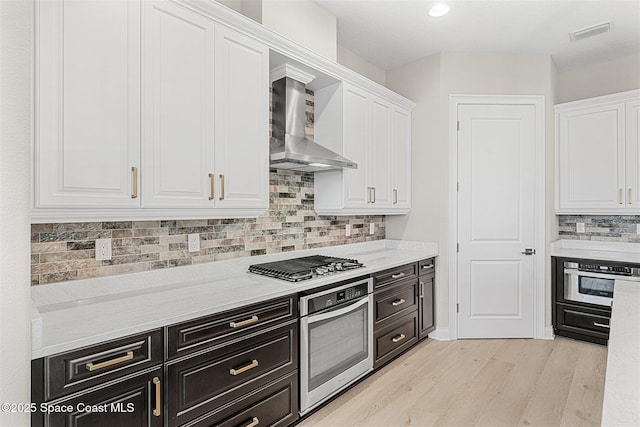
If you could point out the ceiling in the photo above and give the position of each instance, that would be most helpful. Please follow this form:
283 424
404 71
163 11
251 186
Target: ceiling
390 33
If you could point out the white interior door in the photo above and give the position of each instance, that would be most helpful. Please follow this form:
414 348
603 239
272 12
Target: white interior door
496 165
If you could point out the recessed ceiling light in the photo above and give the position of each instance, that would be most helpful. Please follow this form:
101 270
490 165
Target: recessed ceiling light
438 10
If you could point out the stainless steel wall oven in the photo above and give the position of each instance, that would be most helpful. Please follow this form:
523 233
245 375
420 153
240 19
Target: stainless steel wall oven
336 340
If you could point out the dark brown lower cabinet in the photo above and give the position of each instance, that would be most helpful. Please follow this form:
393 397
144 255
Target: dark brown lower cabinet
205 382
426 320
274 404
130 402
394 338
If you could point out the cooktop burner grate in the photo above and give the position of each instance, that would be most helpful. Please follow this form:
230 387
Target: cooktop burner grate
297 269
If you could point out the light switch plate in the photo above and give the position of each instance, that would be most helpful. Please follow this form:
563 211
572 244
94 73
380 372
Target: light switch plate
194 242
638 229
347 230
372 228
579 227
103 249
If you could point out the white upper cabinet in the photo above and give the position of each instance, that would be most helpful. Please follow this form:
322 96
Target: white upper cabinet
147 110
597 155
242 139
87 104
376 134
178 105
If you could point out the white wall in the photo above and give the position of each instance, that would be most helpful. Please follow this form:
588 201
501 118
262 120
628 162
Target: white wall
618 75
15 121
305 22
429 82
361 65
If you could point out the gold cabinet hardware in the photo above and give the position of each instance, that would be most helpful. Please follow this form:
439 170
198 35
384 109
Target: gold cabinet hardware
106 364
602 325
254 422
630 195
252 319
221 186
374 194
368 194
398 338
158 410
395 196
134 183
397 276
212 186
427 267
398 302
253 364
620 196
421 289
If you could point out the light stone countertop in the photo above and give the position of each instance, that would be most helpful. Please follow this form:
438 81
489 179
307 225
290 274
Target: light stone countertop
621 405
597 250
74 314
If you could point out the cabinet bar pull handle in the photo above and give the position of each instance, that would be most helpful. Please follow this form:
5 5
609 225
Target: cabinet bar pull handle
253 364
398 338
620 196
374 194
421 289
368 194
221 186
106 364
254 422
398 302
212 186
134 192
427 267
602 325
395 196
252 319
158 411
630 195
397 276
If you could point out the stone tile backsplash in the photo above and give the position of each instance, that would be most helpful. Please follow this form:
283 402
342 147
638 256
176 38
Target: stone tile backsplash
610 228
66 251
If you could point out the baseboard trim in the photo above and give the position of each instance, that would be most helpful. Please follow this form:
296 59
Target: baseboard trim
548 333
440 334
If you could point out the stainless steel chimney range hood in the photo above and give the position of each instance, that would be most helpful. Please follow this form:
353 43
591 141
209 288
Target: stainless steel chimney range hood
289 148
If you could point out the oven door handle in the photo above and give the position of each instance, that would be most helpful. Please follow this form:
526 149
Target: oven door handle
573 272
335 313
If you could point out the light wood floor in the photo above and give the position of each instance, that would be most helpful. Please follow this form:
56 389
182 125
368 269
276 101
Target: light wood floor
478 383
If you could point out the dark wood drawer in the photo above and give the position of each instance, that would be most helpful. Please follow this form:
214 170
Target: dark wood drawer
583 320
208 380
275 404
210 331
127 403
395 300
395 338
78 369
426 266
387 277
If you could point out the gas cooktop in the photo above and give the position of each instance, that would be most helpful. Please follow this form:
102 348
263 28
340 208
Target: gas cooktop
297 269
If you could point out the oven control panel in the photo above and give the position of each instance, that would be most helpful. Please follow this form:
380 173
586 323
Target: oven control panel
341 296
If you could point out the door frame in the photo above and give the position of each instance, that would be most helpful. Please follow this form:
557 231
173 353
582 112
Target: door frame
538 102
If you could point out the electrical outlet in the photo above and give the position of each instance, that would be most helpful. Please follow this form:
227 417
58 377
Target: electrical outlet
372 228
638 229
194 242
103 249
347 230
579 227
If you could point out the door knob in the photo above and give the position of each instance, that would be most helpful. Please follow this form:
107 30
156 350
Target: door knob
528 252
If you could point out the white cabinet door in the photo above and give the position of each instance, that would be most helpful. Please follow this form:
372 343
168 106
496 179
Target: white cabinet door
632 152
380 155
178 107
87 103
356 135
591 158
401 155
242 134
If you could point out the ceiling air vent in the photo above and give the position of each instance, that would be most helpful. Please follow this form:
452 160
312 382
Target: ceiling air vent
590 31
